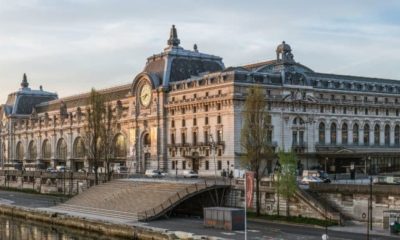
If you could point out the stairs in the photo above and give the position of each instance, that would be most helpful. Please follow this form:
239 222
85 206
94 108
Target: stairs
344 217
133 200
323 208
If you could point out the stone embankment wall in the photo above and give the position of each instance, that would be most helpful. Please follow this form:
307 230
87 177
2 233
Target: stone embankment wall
102 227
274 204
68 183
352 199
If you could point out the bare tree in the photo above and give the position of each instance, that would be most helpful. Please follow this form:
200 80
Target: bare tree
108 134
94 130
255 139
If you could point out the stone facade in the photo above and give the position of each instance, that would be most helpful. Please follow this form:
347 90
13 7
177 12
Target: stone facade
183 111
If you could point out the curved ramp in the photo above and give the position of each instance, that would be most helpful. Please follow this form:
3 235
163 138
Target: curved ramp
136 199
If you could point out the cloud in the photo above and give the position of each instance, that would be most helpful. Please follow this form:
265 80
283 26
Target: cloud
70 46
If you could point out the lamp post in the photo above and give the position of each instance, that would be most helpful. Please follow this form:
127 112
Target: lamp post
369 222
370 193
214 147
326 160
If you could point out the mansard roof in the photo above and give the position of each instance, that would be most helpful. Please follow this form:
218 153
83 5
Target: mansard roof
23 101
81 100
176 63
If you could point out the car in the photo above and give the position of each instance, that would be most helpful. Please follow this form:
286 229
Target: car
61 168
120 169
154 173
190 174
51 170
307 179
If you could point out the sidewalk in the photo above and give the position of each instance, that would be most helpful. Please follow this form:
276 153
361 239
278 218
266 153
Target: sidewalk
362 229
359 228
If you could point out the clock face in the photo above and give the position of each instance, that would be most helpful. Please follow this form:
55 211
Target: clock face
145 95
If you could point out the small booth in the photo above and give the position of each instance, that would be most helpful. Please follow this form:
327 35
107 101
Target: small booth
224 218
391 220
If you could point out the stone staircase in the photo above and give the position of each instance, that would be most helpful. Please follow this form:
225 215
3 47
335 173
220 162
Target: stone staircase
321 207
324 202
132 200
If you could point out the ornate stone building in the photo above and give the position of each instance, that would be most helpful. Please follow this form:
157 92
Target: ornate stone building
183 111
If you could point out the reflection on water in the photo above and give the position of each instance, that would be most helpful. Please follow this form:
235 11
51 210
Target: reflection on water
21 229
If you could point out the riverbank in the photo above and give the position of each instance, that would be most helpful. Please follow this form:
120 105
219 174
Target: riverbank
109 229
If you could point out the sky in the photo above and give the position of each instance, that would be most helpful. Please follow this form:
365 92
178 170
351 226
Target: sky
70 46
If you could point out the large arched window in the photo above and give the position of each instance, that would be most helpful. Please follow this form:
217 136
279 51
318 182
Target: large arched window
377 134
62 149
46 149
32 150
345 131
20 151
119 146
366 134
333 133
321 133
387 135
397 135
356 139
79 148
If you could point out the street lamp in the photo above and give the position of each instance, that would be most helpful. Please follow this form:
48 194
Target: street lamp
369 222
214 147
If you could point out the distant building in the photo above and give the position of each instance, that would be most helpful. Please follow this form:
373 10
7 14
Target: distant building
184 103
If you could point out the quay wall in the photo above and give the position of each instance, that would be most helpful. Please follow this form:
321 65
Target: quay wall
102 227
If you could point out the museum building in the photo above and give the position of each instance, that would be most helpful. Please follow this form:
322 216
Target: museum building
184 112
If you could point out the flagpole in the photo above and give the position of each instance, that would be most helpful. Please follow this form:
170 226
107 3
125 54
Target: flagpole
245 205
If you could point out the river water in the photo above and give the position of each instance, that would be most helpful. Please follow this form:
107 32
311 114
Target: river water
21 229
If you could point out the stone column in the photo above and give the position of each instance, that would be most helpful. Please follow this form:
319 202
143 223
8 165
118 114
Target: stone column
350 134
327 135
392 128
382 136
371 136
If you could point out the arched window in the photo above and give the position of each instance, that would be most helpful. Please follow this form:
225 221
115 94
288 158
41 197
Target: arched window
119 146
20 151
62 149
79 148
345 136
387 135
356 139
46 149
321 135
377 134
32 150
333 133
366 134
397 135
147 140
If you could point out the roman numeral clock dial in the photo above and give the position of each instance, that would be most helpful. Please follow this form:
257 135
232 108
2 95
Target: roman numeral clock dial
145 95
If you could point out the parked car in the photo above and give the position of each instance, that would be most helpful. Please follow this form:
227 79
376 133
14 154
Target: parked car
120 169
190 174
51 170
308 179
61 168
154 174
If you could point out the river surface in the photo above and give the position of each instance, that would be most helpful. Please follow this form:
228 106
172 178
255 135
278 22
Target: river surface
21 229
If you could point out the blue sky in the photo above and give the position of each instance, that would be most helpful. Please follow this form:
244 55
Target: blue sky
71 46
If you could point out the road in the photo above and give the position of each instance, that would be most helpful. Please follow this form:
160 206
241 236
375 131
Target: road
260 231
